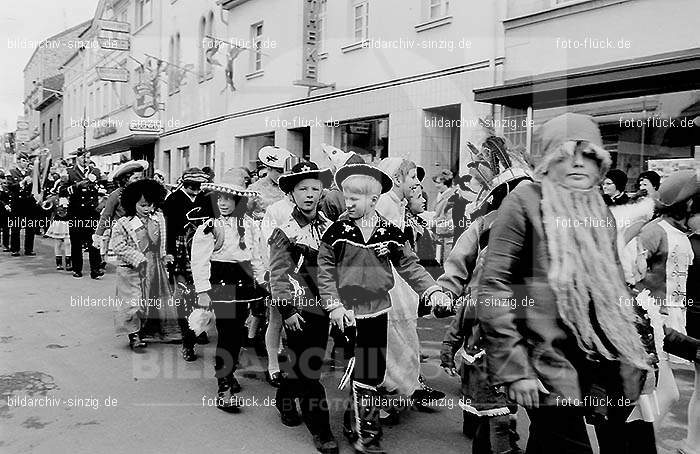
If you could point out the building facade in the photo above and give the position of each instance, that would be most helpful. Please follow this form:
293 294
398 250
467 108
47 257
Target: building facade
50 110
45 63
382 78
110 105
611 59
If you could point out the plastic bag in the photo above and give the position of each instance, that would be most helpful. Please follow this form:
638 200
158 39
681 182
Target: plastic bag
200 321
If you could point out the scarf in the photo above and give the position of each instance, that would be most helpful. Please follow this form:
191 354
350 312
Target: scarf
585 275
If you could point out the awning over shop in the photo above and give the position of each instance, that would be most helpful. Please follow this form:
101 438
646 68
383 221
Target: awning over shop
663 73
122 144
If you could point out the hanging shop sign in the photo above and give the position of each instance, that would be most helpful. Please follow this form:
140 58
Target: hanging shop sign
114 43
112 74
113 26
145 125
309 55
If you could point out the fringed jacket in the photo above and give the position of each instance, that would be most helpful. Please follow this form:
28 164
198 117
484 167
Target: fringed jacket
294 264
357 274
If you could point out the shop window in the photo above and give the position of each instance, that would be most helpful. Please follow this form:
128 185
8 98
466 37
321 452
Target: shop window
655 132
207 153
165 165
368 138
250 145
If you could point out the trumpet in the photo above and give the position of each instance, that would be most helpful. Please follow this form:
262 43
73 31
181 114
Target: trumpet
49 203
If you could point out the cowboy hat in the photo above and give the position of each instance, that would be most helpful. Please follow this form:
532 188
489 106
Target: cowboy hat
302 171
364 169
232 182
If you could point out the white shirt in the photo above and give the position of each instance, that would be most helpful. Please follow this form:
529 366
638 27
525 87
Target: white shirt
204 252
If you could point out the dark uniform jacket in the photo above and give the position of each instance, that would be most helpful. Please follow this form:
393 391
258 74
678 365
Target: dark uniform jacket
294 264
20 198
357 274
532 341
82 206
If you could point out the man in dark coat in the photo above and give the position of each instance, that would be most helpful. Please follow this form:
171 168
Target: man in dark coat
22 205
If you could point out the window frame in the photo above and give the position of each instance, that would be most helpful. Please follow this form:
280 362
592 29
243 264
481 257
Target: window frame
256 60
364 28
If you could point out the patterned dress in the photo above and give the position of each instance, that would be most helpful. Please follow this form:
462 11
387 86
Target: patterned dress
144 297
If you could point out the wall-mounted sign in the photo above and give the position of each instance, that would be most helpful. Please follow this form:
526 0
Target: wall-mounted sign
145 125
113 43
112 74
113 26
309 55
102 131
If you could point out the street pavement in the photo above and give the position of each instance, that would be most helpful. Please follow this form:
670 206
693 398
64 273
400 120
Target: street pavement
97 396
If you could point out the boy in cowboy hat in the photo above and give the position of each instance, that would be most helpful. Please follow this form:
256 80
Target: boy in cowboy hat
227 273
355 262
293 281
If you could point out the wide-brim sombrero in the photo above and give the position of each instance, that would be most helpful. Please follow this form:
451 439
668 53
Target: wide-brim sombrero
138 165
364 169
232 182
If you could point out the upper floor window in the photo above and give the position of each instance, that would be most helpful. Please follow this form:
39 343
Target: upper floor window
43 133
256 32
438 8
143 12
206 29
50 129
173 71
58 126
360 19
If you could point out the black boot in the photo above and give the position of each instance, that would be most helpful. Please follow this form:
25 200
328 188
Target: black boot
59 263
69 264
286 405
226 399
369 431
135 343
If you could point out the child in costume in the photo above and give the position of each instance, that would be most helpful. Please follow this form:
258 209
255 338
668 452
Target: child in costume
58 230
355 262
138 242
293 281
227 276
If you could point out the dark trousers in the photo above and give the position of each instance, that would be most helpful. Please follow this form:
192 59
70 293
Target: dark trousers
230 327
5 230
306 350
184 297
370 350
557 429
78 238
616 436
17 224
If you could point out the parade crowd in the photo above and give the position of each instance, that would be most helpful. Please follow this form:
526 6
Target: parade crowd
564 294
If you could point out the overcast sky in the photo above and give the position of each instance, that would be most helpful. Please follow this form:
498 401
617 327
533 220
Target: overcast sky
30 20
